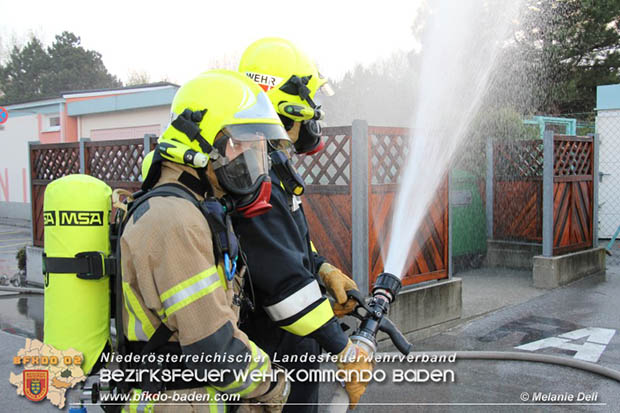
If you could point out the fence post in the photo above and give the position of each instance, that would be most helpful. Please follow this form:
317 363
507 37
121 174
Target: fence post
33 224
450 266
359 203
83 155
147 143
489 188
548 164
595 183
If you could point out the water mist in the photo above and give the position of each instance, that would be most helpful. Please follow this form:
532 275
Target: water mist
459 51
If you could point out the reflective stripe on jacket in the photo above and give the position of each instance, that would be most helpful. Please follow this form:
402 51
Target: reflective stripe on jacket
170 275
283 268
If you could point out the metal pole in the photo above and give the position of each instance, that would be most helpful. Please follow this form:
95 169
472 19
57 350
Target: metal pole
359 203
595 184
82 160
147 143
32 200
450 215
489 188
548 162
83 155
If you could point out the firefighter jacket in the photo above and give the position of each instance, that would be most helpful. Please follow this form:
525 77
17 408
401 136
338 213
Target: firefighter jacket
283 270
170 275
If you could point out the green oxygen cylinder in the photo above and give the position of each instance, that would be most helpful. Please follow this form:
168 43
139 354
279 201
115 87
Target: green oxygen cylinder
76 211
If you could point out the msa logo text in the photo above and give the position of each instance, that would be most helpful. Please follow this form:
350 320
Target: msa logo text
49 218
73 218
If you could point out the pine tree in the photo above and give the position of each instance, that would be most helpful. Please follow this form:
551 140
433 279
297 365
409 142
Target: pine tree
571 46
34 72
22 78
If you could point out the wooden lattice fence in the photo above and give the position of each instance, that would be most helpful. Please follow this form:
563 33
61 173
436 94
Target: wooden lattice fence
428 255
517 186
327 202
519 191
572 193
116 162
327 199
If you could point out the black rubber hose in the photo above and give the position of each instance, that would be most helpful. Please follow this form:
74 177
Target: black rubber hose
522 356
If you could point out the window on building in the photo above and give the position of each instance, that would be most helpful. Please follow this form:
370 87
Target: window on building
53 123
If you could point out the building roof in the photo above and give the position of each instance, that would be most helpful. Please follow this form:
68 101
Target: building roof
124 89
45 100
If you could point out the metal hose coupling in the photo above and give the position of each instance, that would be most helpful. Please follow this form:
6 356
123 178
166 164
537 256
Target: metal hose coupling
373 315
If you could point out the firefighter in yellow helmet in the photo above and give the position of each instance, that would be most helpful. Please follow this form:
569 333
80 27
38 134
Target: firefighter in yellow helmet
179 254
293 315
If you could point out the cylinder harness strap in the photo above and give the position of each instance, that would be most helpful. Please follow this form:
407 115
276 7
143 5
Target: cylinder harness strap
89 265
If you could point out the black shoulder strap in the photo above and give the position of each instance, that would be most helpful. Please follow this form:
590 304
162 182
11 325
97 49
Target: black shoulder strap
170 189
162 333
217 224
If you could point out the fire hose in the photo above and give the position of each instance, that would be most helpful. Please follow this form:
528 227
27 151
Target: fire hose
373 316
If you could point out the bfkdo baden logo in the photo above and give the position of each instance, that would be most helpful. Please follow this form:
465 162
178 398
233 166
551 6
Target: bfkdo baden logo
48 372
36 383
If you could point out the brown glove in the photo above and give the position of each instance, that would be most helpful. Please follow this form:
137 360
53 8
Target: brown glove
355 357
338 284
271 402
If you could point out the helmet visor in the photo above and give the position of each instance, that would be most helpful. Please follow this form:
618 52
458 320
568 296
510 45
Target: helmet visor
255 131
245 147
283 145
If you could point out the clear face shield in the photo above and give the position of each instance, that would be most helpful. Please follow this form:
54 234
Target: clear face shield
282 145
245 148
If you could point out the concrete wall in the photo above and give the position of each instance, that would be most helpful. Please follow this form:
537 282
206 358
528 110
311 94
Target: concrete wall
511 254
551 272
426 306
119 125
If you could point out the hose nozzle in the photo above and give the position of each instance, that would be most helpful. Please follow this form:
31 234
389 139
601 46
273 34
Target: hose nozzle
387 285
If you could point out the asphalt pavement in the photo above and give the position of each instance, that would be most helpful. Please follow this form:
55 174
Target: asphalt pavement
579 321
502 311
12 238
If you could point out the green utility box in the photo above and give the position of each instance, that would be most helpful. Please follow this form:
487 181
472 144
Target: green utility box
469 228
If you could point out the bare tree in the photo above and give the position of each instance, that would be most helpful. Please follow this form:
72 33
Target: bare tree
228 61
138 77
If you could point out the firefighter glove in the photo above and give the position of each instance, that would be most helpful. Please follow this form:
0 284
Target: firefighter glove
338 284
357 361
271 402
